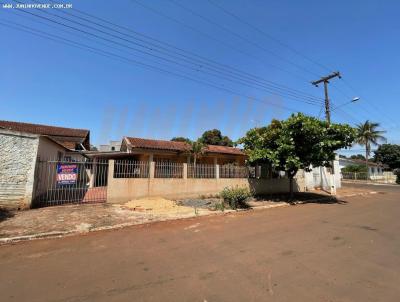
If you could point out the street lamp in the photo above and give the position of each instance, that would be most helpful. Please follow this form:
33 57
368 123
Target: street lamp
353 100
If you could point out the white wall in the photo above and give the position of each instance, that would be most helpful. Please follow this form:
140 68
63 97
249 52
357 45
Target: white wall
17 167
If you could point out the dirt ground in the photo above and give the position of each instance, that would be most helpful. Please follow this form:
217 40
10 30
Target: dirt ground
73 219
347 251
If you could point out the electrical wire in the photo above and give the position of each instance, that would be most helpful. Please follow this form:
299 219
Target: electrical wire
229 77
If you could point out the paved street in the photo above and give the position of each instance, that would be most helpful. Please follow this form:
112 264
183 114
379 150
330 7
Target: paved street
347 251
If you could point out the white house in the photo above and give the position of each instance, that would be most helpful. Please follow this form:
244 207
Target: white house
373 168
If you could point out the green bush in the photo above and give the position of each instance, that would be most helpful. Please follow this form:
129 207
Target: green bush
355 168
236 197
397 173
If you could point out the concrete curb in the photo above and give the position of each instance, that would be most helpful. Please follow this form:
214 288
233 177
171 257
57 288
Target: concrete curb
59 234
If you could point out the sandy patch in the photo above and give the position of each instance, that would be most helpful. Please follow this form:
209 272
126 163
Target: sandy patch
157 205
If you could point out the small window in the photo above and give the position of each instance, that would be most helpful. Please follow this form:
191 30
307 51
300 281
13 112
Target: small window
112 148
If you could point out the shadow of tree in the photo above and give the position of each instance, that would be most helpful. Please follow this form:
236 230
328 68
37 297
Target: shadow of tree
5 214
300 197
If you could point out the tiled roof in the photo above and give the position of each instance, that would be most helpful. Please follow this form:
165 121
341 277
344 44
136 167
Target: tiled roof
44 129
143 143
224 150
67 137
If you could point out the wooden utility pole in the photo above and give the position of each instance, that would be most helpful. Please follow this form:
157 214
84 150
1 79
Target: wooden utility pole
325 80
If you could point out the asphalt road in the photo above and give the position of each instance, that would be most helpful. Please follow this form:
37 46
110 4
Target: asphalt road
348 251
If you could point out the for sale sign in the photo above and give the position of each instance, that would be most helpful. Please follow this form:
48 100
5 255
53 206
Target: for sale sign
67 174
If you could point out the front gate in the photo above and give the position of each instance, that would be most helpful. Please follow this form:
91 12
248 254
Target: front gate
60 182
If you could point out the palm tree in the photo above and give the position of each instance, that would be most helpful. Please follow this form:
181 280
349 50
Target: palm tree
198 148
367 135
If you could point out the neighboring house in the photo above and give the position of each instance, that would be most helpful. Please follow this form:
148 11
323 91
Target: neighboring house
70 138
23 146
373 168
19 152
180 152
112 146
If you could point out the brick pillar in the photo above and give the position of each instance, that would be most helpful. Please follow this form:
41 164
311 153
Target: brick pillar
185 170
152 169
110 174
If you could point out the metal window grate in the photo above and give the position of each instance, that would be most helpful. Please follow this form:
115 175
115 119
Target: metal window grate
131 169
232 171
201 171
167 169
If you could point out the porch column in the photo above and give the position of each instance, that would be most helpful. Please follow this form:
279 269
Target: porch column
110 174
151 166
185 170
151 169
216 171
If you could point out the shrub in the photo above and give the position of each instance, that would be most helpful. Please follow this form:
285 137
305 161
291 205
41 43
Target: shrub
397 173
236 197
355 168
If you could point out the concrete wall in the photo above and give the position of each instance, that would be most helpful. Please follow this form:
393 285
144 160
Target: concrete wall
18 153
125 189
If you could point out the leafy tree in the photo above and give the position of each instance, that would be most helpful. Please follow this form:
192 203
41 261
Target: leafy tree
215 137
296 143
358 156
388 154
367 135
355 168
181 139
197 150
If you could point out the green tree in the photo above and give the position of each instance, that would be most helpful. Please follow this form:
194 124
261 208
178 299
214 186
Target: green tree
358 156
296 143
215 137
367 135
181 139
354 168
388 154
197 150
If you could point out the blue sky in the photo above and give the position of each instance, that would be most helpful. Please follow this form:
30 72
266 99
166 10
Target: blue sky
43 81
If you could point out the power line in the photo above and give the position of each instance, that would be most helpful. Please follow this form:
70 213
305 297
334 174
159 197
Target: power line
187 53
228 45
242 37
229 77
134 62
264 33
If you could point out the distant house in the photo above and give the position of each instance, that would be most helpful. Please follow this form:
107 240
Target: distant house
111 146
162 150
71 138
373 168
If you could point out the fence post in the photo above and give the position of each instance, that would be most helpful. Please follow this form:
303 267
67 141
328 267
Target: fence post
217 171
152 169
110 170
355 175
185 170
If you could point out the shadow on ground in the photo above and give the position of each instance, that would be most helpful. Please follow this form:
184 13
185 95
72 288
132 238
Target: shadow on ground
302 197
5 214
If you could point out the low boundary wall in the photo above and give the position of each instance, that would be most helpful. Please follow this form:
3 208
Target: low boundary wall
125 189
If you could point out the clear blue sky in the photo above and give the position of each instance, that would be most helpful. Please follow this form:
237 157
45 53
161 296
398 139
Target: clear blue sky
42 81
